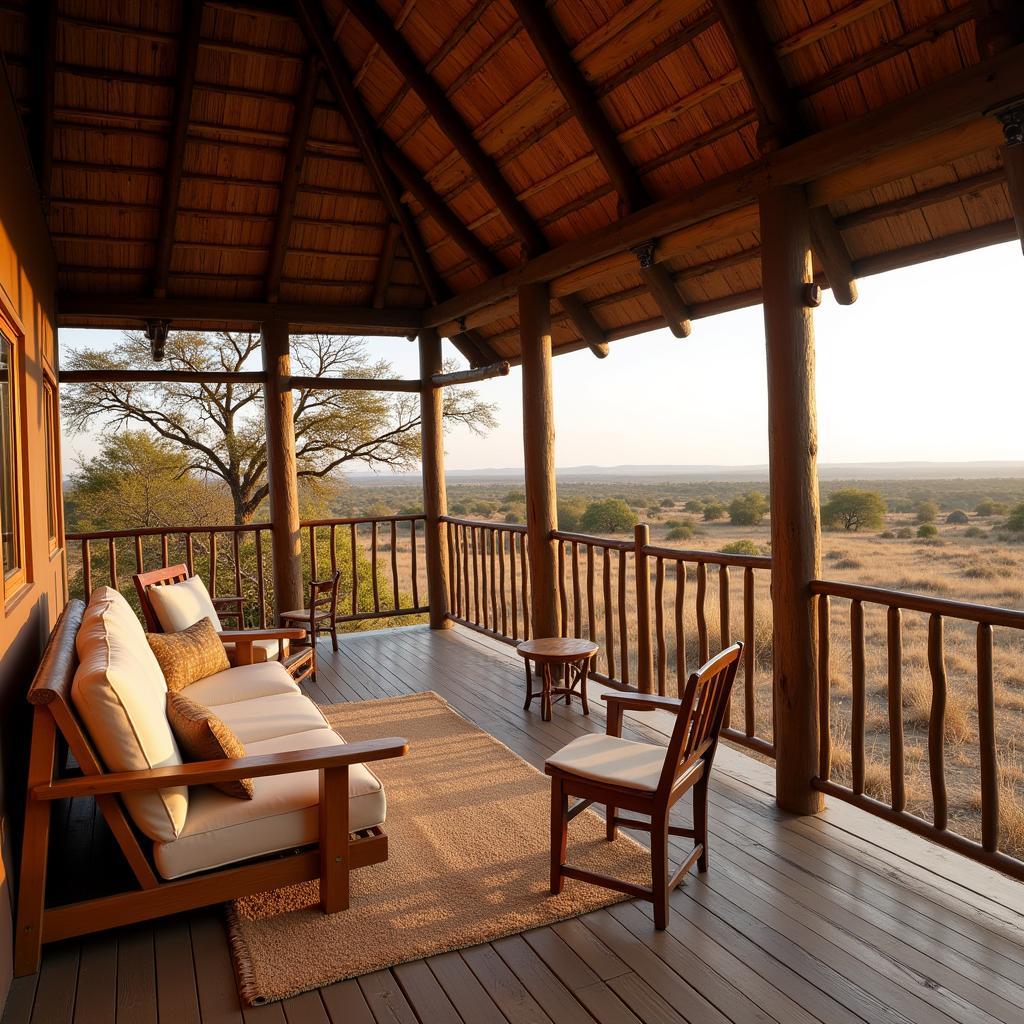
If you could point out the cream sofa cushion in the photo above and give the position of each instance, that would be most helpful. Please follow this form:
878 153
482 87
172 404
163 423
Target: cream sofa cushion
262 650
282 815
263 718
610 759
180 605
120 695
242 683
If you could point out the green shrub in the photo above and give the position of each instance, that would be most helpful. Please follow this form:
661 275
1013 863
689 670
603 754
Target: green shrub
609 516
694 505
681 531
712 511
926 511
667 503
904 532
974 531
887 535
988 507
570 511
741 547
1015 520
927 530
749 509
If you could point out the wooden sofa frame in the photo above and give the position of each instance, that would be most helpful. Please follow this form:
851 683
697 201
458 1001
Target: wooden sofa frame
301 664
54 718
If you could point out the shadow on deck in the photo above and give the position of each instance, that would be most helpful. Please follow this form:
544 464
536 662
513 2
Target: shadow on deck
840 918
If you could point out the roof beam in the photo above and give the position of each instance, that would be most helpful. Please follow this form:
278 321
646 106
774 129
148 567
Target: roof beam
301 120
779 122
877 145
626 180
188 56
385 265
44 42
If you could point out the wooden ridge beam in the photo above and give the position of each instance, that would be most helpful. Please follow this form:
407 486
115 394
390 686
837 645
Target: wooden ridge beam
301 121
188 58
448 119
75 308
44 42
780 122
625 179
955 104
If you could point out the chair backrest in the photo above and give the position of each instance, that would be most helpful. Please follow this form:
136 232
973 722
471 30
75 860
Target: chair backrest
324 594
700 718
156 578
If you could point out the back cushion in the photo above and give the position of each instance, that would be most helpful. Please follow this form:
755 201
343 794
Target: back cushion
120 694
180 605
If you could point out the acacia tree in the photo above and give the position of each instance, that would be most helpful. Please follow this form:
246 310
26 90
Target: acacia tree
220 427
854 509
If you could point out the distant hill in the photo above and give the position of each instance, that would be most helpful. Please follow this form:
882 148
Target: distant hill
830 471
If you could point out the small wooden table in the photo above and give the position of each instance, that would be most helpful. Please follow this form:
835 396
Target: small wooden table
548 653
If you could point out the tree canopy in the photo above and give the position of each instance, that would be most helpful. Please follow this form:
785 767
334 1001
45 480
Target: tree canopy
219 428
749 509
612 515
854 509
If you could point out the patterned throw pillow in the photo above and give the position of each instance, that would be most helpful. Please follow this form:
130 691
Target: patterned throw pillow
202 736
190 655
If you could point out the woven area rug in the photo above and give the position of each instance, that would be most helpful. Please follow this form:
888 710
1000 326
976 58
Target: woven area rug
468 832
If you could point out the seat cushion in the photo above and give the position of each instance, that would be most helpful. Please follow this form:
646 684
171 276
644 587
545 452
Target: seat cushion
262 650
179 605
264 718
242 683
188 655
282 815
120 694
613 760
202 736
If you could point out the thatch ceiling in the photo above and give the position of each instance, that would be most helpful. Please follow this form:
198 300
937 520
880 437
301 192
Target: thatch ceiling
393 154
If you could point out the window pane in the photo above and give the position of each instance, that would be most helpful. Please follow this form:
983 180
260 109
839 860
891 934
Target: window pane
8 500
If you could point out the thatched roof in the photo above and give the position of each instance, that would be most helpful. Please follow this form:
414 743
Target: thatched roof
493 160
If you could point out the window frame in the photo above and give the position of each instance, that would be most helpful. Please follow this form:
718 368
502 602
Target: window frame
16 580
51 439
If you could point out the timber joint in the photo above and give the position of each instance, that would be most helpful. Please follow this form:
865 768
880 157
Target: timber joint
644 253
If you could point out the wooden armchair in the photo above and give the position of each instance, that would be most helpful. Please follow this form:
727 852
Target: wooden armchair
245 646
330 860
645 778
321 616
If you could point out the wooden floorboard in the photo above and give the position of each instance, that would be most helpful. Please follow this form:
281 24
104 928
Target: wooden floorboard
839 919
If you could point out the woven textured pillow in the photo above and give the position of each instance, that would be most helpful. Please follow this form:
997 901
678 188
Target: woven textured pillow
189 655
202 736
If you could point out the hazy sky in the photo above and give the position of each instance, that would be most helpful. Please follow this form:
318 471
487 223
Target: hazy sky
928 364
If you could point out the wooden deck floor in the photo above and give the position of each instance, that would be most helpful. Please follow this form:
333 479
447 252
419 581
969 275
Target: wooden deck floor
841 918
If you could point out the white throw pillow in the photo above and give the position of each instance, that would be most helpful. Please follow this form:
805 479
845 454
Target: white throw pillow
120 694
180 605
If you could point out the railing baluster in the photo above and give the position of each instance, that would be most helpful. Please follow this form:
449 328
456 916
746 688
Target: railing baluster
355 568
465 531
483 574
373 566
512 583
236 553
213 563
163 550
659 622
524 565
454 568
591 610
680 628
313 567
334 548
563 596
937 722
476 580
499 540
609 635
623 620
414 568
724 625
987 742
702 618
824 688
894 653
190 553
395 601
749 724
112 556
86 569
261 592
491 538
857 714
577 611
138 552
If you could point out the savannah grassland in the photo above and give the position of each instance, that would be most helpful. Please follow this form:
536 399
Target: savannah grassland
980 562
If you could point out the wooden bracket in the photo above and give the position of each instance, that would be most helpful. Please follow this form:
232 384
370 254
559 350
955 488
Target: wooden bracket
1012 120
644 253
156 335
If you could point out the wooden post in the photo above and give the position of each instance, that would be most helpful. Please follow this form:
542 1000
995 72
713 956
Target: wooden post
795 524
539 457
435 496
642 572
281 469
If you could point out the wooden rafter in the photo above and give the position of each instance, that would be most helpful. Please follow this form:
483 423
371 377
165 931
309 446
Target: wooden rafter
188 57
448 119
385 264
301 120
44 41
320 34
779 123
633 194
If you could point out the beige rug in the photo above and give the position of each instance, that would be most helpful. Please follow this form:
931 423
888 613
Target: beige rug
468 827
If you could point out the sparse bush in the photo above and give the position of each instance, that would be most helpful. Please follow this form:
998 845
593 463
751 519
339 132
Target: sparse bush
904 532
694 505
1015 520
570 512
926 530
513 517
609 516
988 507
712 511
667 503
654 510
849 563
887 535
514 498
681 531
957 518
749 509
974 531
740 547
926 511
853 509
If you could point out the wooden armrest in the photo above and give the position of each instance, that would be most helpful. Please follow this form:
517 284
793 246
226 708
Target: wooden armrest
250 636
204 772
643 702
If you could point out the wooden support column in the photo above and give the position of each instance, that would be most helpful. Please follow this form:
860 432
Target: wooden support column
539 457
793 470
281 468
435 496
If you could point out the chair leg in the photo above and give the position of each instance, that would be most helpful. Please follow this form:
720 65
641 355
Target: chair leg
700 821
334 636
611 831
529 685
559 833
334 841
583 687
659 870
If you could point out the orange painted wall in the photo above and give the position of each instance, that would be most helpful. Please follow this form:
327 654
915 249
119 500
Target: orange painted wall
27 289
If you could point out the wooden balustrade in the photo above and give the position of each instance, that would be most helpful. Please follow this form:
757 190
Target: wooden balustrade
372 587
937 613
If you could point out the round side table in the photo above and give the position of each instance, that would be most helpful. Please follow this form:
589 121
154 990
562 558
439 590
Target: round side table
550 653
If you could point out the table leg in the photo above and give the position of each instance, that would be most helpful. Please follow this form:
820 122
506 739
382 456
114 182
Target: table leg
529 684
545 700
583 667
